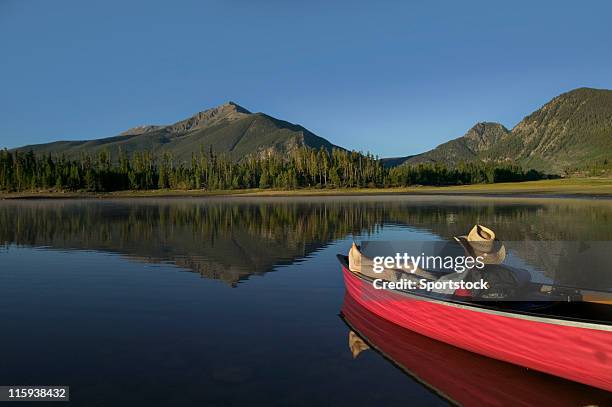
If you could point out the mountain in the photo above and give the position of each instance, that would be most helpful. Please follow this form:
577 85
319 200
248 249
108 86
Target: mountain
390 162
228 128
479 139
571 131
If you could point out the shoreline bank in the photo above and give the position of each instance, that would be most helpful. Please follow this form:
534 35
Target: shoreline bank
586 188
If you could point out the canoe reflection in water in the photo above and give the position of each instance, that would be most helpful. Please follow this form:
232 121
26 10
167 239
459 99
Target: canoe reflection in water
459 376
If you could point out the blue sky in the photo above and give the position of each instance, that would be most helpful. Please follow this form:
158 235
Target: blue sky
394 78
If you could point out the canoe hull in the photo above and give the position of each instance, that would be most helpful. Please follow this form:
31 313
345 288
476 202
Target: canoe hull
573 352
461 377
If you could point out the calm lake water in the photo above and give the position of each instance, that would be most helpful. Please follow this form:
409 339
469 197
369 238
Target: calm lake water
236 301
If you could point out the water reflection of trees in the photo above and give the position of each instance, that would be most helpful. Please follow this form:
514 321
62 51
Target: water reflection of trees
232 239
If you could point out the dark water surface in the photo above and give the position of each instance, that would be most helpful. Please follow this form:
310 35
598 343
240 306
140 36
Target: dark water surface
232 301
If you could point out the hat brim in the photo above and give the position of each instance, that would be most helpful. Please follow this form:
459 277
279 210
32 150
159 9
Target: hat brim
495 256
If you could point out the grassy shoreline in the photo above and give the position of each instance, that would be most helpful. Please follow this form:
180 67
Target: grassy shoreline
572 187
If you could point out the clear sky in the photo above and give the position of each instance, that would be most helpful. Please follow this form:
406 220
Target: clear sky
393 78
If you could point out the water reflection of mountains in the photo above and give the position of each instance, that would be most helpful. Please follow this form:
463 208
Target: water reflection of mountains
231 239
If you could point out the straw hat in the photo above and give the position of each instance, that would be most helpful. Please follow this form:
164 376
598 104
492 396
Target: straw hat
360 263
481 241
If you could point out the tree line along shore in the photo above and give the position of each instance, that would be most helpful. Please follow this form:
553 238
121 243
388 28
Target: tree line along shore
302 168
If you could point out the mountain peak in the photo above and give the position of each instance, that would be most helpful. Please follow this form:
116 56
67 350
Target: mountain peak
584 90
228 111
224 109
485 129
234 106
487 125
484 135
138 130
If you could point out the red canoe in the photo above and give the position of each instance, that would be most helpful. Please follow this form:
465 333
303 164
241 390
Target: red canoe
463 377
566 347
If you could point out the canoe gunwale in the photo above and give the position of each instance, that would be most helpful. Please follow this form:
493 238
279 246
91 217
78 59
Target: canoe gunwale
516 314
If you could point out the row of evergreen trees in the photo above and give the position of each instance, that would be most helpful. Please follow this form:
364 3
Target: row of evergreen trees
304 167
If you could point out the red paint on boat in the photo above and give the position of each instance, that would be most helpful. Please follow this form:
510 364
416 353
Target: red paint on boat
463 377
575 353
